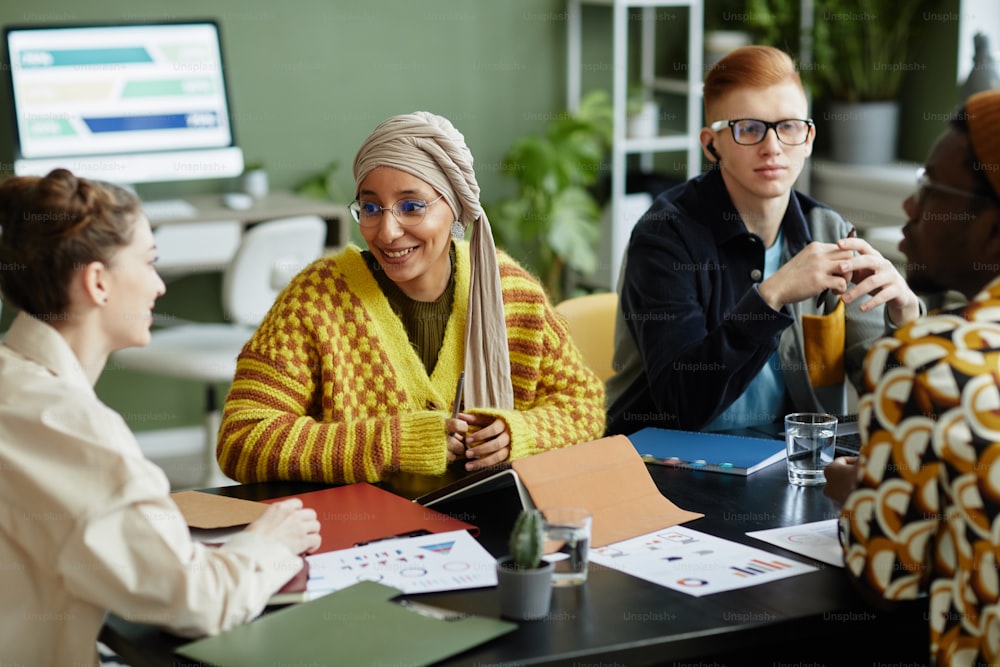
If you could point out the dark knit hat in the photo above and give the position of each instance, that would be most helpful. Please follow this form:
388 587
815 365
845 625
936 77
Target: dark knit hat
983 111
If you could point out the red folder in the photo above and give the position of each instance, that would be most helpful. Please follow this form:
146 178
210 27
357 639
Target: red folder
361 513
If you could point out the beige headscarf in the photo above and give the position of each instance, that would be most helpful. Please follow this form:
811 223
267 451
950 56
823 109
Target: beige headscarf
429 147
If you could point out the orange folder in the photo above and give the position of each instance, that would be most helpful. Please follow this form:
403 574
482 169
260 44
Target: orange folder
361 513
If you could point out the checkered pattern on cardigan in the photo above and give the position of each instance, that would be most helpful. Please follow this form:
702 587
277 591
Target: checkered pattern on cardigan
329 388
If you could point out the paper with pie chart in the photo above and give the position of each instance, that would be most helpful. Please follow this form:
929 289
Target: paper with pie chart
695 563
424 564
817 540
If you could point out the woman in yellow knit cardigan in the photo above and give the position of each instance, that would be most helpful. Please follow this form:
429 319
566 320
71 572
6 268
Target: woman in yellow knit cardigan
352 374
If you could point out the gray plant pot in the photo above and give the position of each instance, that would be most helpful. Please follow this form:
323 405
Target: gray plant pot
863 132
525 595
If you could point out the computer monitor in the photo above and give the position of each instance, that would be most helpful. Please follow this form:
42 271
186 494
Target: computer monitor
126 103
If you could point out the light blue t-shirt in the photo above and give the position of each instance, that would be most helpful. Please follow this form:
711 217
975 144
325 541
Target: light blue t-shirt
762 400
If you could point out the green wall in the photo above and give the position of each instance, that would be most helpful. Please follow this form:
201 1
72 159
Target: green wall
309 79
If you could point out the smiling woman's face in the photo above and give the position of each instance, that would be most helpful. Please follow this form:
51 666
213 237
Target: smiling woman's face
415 257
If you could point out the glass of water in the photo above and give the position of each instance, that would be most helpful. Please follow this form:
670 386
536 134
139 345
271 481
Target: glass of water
809 445
567 543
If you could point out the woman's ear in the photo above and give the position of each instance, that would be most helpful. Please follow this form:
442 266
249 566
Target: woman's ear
93 279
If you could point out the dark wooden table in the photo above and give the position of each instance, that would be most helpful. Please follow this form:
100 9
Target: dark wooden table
615 619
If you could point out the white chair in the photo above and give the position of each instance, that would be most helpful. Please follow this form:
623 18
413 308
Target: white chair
269 255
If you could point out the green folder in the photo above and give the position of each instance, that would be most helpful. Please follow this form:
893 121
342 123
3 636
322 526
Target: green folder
349 627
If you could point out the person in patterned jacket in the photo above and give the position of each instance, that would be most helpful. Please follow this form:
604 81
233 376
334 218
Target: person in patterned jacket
921 504
352 374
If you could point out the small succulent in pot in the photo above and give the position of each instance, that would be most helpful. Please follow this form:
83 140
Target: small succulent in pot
524 579
526 540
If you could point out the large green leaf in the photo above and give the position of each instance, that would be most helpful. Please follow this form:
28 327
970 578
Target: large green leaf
552 221
574 229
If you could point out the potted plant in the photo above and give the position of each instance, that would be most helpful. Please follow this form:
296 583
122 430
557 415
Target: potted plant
725 29
863 50
323 184
861 53
524 580
552 223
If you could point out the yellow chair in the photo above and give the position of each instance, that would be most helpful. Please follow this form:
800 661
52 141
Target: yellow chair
591 321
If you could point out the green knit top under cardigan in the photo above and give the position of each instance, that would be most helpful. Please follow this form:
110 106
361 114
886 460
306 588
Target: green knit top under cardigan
330 389
424 321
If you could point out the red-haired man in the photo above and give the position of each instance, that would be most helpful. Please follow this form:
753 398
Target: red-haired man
741 298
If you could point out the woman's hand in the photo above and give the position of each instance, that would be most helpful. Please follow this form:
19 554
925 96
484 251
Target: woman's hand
841 478
291 524
456 430
875 275
480 440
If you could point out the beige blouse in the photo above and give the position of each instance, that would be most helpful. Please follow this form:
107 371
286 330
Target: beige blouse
87 525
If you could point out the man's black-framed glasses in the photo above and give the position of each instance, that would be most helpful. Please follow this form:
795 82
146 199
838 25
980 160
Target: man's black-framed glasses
751 131
924 183
409 211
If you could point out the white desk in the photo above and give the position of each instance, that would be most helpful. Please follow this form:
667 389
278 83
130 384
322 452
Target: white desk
207 240
279 204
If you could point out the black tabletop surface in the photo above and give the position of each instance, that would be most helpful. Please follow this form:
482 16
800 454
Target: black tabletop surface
615 619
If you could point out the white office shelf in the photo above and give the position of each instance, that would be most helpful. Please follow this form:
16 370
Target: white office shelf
638 3
668 143
676 86
622 216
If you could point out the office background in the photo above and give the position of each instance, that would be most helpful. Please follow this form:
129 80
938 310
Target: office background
309 79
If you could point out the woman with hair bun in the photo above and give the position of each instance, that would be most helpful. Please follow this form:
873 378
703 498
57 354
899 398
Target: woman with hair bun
86 521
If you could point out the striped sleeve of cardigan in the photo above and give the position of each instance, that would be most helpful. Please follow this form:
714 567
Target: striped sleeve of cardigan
558 399
315 398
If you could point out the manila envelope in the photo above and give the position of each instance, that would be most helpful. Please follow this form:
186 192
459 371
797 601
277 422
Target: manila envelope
209 511
608 478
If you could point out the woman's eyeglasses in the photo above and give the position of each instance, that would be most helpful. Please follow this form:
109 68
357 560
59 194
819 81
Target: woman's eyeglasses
408 212
924 184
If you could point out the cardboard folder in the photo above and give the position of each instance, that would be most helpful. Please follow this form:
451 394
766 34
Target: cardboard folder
210 511
358 625
608 478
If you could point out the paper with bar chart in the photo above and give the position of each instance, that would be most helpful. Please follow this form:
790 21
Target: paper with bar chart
695 563
435 562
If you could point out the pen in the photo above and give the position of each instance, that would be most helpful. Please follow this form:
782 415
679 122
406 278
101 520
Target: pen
458 399
458 395
851 233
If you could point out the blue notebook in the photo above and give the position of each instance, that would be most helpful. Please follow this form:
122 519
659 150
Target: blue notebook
717 452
